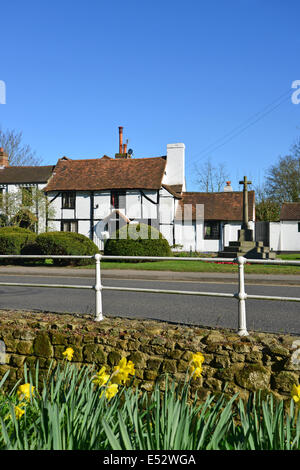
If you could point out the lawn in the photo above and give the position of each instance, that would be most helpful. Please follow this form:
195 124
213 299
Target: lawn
182 265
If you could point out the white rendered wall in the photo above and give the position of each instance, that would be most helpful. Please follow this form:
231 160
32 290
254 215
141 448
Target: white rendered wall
167 232
211 246
290 237
231 232
166 210
82 205
185 235
84 227
133 205
102 200
174 172
275 235
55 205
149 209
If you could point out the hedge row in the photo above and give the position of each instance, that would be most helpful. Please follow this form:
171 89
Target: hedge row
16 241
130 240
62 243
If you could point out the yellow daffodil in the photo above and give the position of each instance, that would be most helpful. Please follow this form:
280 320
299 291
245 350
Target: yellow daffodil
69 354
195 371
122 370
195 366
25 391
110 391
101 378
19 411
296 393
197 359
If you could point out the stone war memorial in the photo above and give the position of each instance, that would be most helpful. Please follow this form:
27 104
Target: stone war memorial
246 245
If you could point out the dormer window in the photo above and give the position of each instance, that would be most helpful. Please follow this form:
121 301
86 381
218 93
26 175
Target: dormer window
68 200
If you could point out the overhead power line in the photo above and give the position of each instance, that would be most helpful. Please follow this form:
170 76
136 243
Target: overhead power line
221 141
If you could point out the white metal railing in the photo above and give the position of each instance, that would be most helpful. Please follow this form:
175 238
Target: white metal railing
241 295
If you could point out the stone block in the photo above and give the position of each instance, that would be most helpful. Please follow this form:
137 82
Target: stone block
42 345
253 377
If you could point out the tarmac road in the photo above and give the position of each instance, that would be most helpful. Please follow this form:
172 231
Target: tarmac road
268 316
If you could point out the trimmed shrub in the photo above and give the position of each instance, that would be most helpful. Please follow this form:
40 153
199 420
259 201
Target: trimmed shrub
63 243
137 240
14 239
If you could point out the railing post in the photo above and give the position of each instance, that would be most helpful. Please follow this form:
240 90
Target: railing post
242 296
98 290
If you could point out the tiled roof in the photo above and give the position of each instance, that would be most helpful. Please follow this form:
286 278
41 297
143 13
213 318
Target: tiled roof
217 206
174 189
290 211
25 174
107 173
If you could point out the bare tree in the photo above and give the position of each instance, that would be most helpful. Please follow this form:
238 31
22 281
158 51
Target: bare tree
209 177
19 154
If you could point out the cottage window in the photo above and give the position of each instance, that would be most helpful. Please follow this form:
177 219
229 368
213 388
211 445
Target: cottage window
69 226
68 200
211 230
298 226
115 199
27 196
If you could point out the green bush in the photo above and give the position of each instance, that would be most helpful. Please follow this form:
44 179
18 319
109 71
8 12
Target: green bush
63 243
137 240
24 218
14 239
3 220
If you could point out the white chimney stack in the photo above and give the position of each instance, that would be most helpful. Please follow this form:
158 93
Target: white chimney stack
174 172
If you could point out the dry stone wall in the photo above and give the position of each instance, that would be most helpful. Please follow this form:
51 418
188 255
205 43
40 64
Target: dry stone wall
260 361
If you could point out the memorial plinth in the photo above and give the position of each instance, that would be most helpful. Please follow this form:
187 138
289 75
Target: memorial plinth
246 246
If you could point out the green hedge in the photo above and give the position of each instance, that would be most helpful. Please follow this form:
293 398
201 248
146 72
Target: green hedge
63 243
14 239
137 240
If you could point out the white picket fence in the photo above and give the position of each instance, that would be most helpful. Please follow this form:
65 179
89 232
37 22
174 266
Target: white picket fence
241 295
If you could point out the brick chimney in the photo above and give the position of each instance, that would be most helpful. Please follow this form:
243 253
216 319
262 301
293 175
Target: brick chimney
3 158
122 147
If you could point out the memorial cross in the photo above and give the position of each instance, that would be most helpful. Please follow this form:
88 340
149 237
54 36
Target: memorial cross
245 224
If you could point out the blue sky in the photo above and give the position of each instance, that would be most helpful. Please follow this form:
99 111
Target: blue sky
168 71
